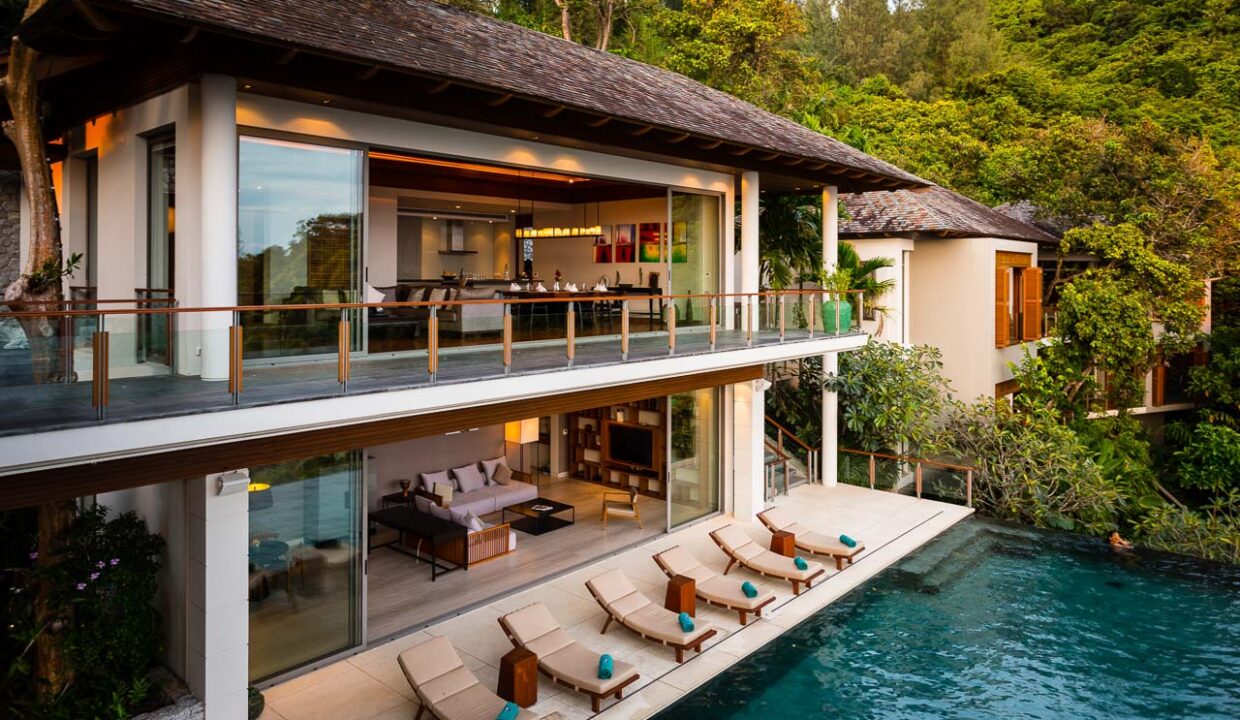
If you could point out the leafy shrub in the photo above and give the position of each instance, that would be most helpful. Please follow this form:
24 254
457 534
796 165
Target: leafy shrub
1211 459
100 598
1213 532
1029 468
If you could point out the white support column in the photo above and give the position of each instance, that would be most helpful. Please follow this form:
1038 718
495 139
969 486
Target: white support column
748 456
750 264
218 615
830 361
218 259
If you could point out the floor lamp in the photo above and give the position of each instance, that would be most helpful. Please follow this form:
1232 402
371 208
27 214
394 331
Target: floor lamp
522 432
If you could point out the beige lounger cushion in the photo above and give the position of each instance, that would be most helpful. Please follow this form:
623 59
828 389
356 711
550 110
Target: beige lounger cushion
812 541
751 555
578 665
534 628
710 585
623 601
826 545
434 669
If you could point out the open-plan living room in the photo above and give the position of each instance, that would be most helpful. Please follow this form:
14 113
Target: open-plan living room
454 519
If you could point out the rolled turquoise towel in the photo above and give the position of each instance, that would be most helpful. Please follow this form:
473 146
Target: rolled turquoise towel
848 541
800 563
605 667
686 622
749 590
509 712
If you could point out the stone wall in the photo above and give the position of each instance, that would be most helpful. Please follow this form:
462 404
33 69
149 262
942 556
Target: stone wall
10 227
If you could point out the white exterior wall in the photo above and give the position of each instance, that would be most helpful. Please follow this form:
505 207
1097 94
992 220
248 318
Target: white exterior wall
952 296
890 325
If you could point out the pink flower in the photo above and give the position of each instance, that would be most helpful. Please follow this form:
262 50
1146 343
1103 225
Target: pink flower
34 556
114 562
81 586
101 564
94 576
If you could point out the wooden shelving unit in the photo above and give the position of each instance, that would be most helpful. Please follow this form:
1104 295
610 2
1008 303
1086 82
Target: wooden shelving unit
586 447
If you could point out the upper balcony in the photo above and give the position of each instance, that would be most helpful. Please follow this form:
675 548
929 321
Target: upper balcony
99 362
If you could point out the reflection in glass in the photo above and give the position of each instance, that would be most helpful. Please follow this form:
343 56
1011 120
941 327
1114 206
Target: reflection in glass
299 242
304 561
695 240
693 470
153 336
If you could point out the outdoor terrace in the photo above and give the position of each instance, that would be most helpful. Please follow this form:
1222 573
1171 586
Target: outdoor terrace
370 685
116 364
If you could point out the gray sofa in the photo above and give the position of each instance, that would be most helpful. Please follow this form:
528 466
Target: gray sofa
454 319
493 498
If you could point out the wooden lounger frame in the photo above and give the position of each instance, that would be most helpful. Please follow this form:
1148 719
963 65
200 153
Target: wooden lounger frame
678 647
743 612
596 699
840 560
733 560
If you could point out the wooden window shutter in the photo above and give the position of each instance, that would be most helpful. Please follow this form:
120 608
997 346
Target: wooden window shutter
1031 291
1159 382
1002 311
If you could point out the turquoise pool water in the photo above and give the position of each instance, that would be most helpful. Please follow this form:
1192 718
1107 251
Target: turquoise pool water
994 622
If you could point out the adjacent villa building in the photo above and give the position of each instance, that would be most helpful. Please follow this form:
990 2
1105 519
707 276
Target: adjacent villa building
336 256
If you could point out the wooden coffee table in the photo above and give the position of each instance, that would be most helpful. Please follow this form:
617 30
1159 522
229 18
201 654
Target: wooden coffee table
784 543
518 677
538 516
681 595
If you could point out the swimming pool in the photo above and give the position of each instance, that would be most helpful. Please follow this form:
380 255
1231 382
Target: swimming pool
991 621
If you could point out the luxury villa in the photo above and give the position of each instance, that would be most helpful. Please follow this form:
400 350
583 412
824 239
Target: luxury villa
387 314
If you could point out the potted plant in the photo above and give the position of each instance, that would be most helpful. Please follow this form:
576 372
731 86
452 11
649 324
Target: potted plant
257 703
835 303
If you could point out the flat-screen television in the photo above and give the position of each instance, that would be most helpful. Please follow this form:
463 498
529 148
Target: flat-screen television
626 444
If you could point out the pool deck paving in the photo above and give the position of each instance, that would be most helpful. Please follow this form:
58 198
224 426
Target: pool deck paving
371 686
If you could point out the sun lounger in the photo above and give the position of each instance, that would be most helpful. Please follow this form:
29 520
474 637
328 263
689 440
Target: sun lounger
615 593
562 658
446 687
808 540
742 550
710 585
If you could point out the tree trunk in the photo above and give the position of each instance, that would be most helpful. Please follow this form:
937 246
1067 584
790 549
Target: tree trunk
39 285
51 670
566 26
606 10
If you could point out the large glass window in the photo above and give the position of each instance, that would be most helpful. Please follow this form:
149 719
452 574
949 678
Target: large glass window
693 467
305 558
299 242
153 336
695 240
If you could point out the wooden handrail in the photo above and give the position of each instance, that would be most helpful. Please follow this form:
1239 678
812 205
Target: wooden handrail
392 305
788 432
909 459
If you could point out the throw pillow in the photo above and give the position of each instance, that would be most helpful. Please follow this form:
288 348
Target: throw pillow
468 478
441 513
488 467
373 294
503 474
422 504
429 479
460 517
475 522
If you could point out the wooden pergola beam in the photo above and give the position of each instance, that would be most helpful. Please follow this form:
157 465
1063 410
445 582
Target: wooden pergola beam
673 139
499 100
641 130
552 111
711 145
599 121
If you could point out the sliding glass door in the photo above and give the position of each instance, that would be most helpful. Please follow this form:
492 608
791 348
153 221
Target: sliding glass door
693 460
696 222
299 240
305 561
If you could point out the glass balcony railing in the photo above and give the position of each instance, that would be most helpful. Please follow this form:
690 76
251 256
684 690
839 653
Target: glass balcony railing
919 477
87 361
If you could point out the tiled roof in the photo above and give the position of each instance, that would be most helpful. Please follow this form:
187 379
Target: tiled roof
933 210
425 37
